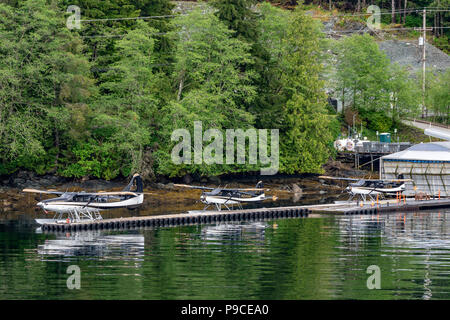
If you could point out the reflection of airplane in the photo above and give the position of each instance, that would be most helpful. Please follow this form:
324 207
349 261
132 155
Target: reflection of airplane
93 243
372 187
235 231
229 197
84 205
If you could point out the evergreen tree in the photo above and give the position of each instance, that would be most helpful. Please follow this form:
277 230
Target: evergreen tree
125 113
238 16
305 134
209 85
45 84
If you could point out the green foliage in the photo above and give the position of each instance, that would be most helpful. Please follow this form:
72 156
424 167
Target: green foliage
362 73
377 120
379 90
413 21
438 96
237 16
103 101
127 106
443 43
305 135
92 159
43 76
209 85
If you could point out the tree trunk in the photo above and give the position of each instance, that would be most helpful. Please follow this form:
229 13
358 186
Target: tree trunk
435 30
180 87
404 12
440 32
57 146
358 6
393 12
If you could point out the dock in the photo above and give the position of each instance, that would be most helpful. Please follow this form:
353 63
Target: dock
179 219
211 217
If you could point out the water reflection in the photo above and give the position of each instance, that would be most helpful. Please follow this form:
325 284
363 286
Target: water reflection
412 230
236 232
312 258
93 243
414 249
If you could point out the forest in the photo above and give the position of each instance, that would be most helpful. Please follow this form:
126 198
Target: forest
103 100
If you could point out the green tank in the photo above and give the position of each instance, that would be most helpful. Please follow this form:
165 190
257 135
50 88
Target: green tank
385 137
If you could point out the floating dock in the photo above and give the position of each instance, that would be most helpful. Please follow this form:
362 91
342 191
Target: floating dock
208 217
198 217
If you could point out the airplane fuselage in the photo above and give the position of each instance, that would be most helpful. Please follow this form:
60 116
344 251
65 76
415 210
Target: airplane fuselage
230 200
371 190
70 206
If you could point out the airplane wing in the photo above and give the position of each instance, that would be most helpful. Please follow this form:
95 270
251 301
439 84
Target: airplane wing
221 189
193 187
246 189
339 178
355 179
113 193
43 191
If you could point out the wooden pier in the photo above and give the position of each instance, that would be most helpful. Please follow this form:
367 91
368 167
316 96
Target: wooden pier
383 206
208 217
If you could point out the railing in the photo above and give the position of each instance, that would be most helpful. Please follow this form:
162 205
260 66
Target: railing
433 124
381 147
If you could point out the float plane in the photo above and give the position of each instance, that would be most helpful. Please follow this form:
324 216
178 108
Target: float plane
76 206
228 197
364 188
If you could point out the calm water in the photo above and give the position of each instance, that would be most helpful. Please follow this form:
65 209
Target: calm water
312 258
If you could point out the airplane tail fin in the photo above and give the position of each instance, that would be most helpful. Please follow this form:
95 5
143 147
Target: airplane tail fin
260 185
139 184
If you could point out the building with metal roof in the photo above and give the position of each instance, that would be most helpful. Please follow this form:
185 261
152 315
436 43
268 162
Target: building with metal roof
428 164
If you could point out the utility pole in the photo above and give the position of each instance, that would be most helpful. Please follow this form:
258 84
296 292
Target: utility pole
424 30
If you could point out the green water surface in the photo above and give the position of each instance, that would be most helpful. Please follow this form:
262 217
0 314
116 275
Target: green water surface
307 258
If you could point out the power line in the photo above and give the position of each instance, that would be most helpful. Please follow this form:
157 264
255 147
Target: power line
131 18
119 35
390 29
412 10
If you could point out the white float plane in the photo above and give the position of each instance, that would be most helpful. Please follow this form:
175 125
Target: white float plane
228 197
76 206
364 188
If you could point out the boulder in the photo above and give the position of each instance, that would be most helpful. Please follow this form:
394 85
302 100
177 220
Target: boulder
187 179
296 189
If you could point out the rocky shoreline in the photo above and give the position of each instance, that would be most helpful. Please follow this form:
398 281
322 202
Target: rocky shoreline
27 179
164 191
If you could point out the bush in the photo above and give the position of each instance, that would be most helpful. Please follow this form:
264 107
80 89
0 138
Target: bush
413 21
377 121
442 43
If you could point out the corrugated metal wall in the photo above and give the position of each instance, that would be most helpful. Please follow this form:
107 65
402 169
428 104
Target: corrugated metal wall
428 176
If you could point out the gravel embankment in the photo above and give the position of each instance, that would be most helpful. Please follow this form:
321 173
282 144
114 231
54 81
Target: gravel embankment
408 53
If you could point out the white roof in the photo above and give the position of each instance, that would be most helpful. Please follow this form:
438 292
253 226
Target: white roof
443 134
433 151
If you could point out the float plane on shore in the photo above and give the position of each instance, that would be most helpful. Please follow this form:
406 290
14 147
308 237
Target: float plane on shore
76 206
228 197
364 188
